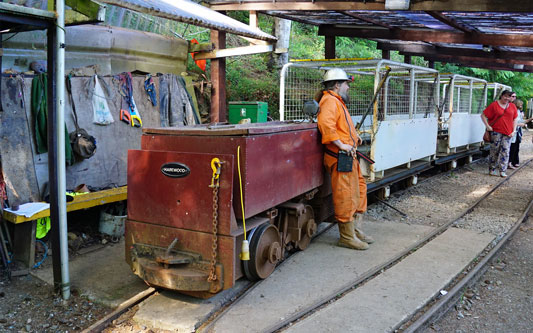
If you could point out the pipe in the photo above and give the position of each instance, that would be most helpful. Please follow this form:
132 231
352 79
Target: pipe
282 75
60 132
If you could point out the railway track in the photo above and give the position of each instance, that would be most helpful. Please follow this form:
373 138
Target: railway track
413 324
435 310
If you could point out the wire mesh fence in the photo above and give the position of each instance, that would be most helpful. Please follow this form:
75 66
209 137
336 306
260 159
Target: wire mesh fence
469 95
302 81
478 101
426 99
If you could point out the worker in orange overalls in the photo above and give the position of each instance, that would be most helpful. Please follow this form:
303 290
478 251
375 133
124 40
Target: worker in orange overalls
341 140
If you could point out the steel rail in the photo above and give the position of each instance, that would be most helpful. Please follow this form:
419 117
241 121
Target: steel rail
101 324
397 258
208 324
442 306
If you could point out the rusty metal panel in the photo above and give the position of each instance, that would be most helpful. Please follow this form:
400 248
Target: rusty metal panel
188 240
185 202
279 167
275 167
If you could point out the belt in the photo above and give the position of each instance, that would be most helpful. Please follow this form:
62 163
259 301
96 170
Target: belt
358 153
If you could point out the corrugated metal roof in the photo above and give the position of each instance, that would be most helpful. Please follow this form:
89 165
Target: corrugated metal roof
193 13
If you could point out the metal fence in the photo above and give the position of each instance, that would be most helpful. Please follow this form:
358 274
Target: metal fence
466 95
301 80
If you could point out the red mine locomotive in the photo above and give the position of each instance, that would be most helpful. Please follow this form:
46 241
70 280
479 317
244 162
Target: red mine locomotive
195 193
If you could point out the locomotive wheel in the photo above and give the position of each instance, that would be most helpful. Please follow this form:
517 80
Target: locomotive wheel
265 252
308 230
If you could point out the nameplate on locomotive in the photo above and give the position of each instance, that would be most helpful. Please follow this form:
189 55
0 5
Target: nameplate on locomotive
175 170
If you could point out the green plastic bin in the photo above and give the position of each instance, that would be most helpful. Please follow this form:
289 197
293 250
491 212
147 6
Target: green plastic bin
256 111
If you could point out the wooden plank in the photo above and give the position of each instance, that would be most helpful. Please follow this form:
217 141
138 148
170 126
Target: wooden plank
519 40
236 51
15 144
218 110
80 202
24 243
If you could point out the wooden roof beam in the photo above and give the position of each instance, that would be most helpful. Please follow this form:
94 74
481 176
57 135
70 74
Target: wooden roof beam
479 64
526 69
454 51
518 40
459 59
419 5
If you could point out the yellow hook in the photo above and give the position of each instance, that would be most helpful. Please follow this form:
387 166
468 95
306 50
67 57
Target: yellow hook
215 165
216 169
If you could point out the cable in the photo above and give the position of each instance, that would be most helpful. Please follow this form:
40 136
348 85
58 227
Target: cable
245 252
45 254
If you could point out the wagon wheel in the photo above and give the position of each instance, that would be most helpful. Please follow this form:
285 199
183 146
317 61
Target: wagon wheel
265 252
308 229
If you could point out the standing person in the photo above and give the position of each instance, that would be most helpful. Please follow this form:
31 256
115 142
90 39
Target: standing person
500 118
340 139
514 160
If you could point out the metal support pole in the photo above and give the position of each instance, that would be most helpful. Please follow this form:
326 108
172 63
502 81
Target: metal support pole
56 150
412 97
471 86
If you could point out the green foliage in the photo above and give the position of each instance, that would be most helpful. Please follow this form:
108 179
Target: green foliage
249 79
305 44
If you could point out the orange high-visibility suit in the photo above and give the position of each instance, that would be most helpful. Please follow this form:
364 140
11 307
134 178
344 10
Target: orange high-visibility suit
349 188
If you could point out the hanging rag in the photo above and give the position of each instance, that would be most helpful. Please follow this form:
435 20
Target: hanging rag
175 107
101 113
43 226
149 86
39 109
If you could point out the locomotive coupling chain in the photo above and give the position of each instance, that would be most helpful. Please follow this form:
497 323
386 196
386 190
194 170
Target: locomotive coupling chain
216 165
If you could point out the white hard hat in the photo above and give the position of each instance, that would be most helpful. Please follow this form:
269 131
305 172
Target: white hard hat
336 74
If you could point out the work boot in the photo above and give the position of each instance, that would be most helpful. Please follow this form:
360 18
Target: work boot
359 230
348 238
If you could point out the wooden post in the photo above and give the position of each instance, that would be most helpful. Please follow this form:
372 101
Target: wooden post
283 33
330 47
218 111
431 64
385 54
407 59
253 19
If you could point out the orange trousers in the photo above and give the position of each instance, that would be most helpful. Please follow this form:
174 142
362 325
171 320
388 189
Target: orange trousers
348 189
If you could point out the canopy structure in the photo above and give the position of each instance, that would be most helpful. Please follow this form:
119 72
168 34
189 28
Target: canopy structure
492 34
190 12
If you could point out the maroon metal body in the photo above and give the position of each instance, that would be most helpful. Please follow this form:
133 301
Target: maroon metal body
278 162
